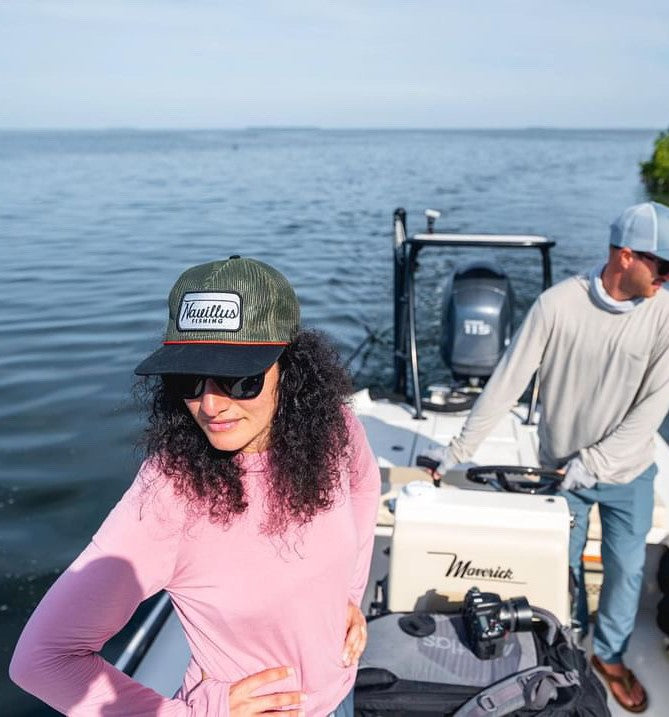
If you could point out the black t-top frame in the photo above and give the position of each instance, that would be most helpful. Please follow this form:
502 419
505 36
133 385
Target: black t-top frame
405 252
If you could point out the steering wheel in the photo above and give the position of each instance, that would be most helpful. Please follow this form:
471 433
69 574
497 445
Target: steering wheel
517 479
454 402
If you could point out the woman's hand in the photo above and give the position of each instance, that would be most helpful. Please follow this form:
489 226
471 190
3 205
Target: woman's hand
244 704
356 635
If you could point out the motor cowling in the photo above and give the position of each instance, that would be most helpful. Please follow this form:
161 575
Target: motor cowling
476 320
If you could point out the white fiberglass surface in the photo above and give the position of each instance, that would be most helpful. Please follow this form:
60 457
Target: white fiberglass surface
397 437
164 664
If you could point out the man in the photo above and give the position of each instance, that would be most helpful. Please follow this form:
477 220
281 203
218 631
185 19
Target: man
600 342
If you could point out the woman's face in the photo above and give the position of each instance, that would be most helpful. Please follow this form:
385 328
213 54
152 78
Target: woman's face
236 425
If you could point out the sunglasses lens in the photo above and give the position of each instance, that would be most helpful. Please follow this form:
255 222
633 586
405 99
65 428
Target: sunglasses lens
242 388
186 385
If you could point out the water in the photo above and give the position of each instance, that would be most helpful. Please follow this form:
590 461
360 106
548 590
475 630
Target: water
96 226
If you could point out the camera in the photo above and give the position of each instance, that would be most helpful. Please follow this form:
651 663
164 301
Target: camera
488 620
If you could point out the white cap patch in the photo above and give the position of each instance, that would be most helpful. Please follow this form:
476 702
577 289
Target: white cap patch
210 310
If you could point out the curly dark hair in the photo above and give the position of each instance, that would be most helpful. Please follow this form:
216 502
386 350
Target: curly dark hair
308 439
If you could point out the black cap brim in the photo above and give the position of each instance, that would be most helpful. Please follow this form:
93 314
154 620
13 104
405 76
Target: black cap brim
211 359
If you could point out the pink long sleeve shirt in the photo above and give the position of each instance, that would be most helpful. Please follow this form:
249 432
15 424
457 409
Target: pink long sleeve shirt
246 601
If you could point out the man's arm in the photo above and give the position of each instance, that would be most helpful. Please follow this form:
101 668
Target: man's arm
607 458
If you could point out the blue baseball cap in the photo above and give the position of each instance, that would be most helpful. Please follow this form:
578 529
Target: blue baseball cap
643 227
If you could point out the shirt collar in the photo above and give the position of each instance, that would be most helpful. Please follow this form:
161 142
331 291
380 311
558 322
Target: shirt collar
603 300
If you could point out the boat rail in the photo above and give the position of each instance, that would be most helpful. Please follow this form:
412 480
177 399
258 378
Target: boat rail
406 250
144 636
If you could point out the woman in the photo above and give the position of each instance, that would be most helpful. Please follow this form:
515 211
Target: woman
254 509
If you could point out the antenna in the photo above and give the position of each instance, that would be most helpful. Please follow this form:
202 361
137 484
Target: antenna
432 215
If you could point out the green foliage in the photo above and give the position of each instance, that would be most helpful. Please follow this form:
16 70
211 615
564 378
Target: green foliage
655 172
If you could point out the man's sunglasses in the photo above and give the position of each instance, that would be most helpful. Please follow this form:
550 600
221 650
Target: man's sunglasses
662 265
240 388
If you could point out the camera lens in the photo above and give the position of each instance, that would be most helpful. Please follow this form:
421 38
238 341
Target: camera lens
488 620
515 614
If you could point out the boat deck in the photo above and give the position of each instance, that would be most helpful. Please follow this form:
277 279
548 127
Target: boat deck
397 439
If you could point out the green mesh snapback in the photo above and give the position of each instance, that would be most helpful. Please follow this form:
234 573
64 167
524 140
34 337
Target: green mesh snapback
227 318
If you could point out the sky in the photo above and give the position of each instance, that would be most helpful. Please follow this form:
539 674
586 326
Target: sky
336 64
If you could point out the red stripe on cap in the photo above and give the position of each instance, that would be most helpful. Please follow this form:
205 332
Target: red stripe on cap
232 343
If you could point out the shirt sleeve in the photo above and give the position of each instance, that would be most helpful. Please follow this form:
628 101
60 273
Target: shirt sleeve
130 558
507 383
605 458
365 486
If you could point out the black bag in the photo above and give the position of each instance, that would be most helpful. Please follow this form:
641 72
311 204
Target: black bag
663 583
540 673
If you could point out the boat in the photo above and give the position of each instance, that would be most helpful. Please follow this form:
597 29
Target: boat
510 530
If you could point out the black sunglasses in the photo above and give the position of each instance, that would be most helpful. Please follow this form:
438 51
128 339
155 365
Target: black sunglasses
662 265
240 388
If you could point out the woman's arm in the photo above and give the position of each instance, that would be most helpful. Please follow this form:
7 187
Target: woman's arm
56 658
132 557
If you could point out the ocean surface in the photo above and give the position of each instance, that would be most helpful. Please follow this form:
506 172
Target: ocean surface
96 226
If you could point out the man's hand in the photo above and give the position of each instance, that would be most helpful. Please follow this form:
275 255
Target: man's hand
244 704
436 461
576 476
356 635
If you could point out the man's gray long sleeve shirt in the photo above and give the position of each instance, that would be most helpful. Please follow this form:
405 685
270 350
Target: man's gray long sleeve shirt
604 382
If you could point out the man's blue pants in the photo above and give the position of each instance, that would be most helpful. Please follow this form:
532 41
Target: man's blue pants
626 513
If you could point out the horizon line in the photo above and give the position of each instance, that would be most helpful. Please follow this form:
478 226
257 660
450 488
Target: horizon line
317 128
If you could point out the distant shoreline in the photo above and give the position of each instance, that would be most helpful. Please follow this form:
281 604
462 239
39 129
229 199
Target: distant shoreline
313 128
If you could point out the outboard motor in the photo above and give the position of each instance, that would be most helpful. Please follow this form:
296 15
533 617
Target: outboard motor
476 321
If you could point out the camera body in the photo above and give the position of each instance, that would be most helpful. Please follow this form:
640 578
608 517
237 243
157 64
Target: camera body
488 620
